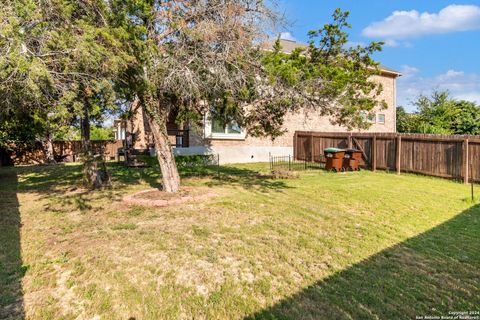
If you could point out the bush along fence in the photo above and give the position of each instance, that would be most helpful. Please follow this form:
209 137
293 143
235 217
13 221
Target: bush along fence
446 156
201 160
289 163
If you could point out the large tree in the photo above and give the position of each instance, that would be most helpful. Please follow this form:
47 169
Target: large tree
200 57
204 58
58 60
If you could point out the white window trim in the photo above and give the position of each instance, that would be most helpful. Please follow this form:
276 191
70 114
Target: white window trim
221 136
384 118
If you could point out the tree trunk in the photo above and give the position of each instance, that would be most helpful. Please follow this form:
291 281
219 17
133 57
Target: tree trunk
95 174
85 132
48 148
166 160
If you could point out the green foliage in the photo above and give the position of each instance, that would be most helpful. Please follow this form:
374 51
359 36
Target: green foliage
17 129
440 114
79 60
59 63
182 161
197 160
101 133
328 76
467 118
73 133
406 122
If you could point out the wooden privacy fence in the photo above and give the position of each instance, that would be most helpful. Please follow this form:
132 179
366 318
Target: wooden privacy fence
65 150
447 156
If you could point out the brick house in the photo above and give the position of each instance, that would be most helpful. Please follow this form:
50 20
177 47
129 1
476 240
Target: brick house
233 145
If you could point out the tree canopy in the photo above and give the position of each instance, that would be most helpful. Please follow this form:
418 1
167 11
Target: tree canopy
328 77
68 62
440 114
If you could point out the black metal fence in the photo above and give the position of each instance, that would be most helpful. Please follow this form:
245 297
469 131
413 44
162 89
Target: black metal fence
289 163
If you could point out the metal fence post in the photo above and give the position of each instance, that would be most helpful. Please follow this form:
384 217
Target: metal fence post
289 163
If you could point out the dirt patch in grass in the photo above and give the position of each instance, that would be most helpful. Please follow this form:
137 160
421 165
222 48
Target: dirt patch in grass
156 194
158 198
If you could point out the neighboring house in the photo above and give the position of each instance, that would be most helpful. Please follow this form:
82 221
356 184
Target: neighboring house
233 144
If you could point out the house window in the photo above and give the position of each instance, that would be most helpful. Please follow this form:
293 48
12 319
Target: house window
218 129
381 118
368 117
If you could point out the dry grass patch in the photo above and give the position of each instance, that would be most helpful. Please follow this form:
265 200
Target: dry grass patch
159 198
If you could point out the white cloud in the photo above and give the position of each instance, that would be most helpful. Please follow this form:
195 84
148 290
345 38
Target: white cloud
408 71
470 97
287 36
461 85
450 74
391 43
409 24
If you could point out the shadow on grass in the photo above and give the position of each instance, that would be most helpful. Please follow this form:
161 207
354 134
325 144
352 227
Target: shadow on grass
48 178
63 183
432 274
11 266
245 178
218 175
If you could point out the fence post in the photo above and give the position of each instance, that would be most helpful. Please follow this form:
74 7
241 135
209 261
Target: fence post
398 154
465 160
289 163
471 181
374 153
312 158
349 139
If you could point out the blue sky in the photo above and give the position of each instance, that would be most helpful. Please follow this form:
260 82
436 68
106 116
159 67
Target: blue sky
435 44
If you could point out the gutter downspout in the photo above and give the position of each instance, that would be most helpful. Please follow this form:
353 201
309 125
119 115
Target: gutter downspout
395 104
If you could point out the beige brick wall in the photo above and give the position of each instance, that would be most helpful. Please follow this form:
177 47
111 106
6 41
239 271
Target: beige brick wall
310 122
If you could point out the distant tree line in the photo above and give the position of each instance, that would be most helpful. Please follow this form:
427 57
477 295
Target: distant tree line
439 113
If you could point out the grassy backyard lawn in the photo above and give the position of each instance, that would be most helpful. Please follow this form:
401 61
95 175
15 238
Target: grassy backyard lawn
323 246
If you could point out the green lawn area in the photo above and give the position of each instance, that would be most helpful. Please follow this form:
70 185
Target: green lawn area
360 245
